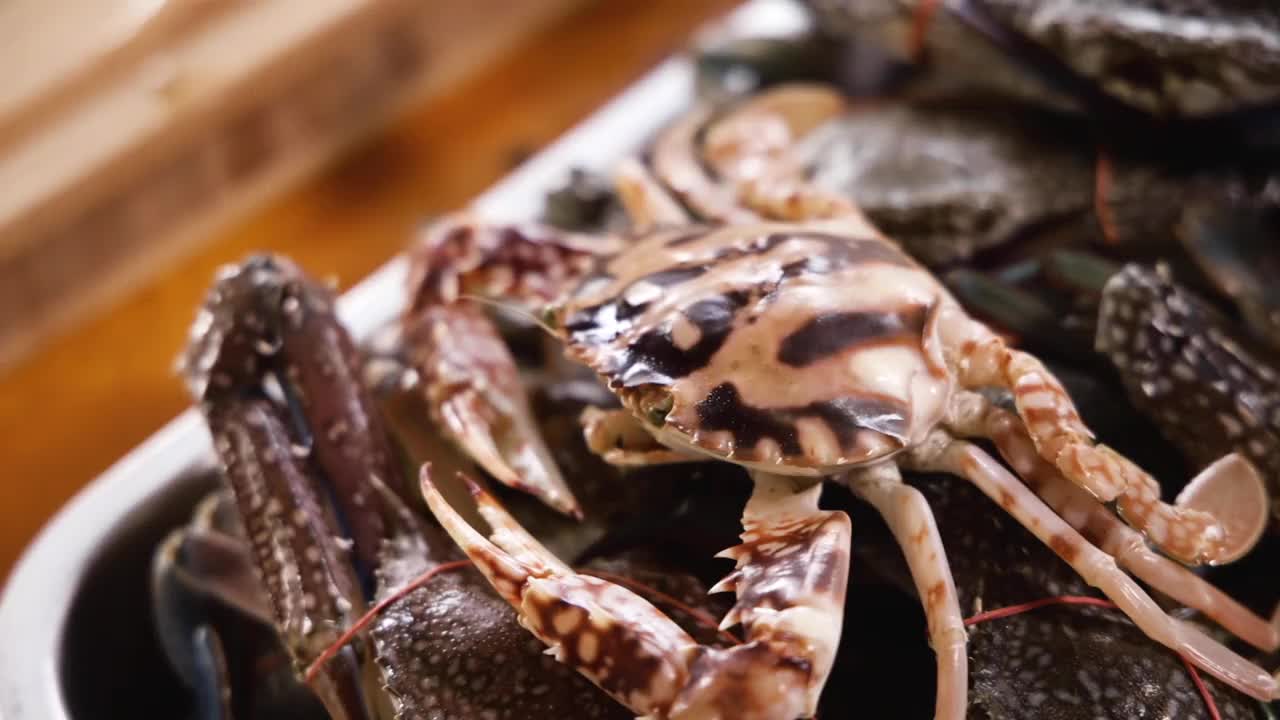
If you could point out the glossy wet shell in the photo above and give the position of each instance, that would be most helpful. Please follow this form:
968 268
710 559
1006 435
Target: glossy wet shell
1167 58
947 183
798 348
1170 57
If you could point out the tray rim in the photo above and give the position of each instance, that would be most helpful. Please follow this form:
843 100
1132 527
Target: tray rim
38 593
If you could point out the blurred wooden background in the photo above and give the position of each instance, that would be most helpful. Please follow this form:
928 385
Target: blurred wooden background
100 387
144 126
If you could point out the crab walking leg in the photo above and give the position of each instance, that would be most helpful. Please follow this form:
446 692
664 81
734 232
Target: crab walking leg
786 198
675 160
1101 527
759 136
647 204
781 197
1062 438
619 439
941 453
910 519
640 657
700 157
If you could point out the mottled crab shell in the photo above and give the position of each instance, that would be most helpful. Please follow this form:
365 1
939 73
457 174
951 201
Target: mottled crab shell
796 348
950 182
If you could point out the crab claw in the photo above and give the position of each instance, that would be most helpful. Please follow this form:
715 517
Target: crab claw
791 576
268 331
610 635
473 387
790 581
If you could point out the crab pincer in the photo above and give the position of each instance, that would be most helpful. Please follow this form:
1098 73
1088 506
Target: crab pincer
306 457
790 580
470 378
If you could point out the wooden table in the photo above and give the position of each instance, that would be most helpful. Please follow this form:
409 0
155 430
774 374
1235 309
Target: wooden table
71 410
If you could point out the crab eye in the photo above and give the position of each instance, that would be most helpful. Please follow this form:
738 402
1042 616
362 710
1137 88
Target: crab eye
551 317
657 414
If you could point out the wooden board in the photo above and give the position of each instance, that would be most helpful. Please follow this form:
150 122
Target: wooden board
143 127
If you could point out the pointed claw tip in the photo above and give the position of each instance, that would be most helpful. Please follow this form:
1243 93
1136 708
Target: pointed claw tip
731 619
732 553
565 505
728 584
424 476
562 502
473 487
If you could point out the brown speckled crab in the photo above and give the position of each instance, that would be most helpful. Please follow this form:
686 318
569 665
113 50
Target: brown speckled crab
792 338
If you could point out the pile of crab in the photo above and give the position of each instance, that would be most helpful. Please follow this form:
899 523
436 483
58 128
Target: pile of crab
952 394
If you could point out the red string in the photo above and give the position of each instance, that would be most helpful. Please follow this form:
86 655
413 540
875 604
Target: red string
705 619
921 21
1102 188
360 624
1095 602
1035 605
374 611
1204 690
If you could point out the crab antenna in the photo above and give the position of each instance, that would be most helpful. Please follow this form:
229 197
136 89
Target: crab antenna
515 309
372 614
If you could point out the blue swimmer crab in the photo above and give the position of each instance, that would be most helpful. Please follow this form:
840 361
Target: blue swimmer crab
788 336
1010 209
